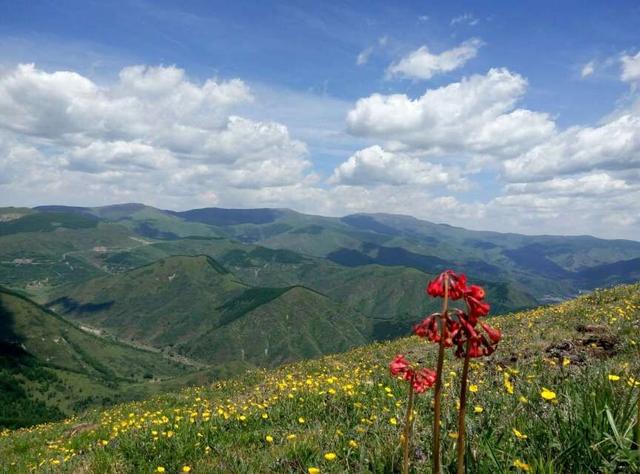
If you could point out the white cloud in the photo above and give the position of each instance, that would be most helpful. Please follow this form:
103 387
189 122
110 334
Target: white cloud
630 68
374 165
475 115
613 145
139 135
466 18
597 184
422 64
364 55
588 69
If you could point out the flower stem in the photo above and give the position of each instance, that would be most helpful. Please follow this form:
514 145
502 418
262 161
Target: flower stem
438 390
408 421
462 412
636 434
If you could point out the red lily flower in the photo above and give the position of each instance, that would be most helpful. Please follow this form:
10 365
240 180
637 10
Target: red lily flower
457 285
420 379
399 365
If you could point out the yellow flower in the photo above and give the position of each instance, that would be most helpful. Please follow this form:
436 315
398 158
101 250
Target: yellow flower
159 469
478 409
330 456
614 378
507 384
521 465
393 421
565 361
186 469
300 420
523 399
473 388
269 439
547 394
353 444
313 470
291 437
518 434
453 435
265 416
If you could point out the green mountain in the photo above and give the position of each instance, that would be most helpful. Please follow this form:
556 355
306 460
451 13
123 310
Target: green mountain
549 267
50 368
194 306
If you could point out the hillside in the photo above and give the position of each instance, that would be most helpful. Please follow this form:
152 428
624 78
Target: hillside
195 307
585 351
50 368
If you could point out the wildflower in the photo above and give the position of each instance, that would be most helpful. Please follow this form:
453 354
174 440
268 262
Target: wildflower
269 439
393 421
521 465
301 420
353 444
186 468
313 470
399 365
291 437
330 456
523 399
160 469
614 378
547 394
473 388
478 409
518 434
457 285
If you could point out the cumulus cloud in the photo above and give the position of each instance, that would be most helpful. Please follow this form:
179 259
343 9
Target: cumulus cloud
423 64
375 165
140 133
475 115
614 145
630 68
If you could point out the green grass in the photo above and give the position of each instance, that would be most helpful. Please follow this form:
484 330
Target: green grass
347 404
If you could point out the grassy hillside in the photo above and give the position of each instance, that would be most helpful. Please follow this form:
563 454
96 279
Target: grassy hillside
285 420
50 368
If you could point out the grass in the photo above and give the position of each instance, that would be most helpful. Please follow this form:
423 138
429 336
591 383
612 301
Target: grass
297 417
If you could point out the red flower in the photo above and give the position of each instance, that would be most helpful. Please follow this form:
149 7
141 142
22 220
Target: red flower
430 329
476 292
477 308
457 285
422 380
399 365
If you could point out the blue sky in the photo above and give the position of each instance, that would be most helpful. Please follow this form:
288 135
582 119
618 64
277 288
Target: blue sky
568 69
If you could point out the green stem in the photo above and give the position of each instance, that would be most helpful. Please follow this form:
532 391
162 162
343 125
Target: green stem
438 390
462 412
408 421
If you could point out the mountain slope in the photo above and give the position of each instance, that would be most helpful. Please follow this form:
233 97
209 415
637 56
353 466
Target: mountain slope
54 367
194 306
161 304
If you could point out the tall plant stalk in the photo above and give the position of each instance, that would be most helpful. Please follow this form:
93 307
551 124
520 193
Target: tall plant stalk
438 389
462 412
408 422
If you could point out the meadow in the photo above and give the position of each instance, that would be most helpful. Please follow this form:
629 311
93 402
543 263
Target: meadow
560 395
